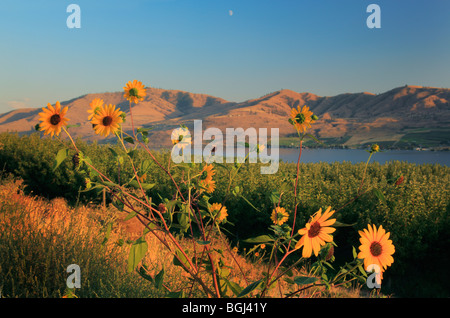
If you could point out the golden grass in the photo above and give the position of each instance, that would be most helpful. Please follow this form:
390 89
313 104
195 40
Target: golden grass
55 221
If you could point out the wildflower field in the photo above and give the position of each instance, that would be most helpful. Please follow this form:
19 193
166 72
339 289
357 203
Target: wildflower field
212 230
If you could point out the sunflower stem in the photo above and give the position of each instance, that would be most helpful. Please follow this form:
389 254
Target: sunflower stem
364 174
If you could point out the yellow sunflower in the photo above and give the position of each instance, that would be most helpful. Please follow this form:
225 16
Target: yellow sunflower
181 136
95 107
53 119
302 118
376 248
279 215
218 211
210 186
374 148
206 180
107 120
316 233
134 91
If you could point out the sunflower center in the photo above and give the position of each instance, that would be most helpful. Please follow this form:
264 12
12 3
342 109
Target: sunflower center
375 249
314 229
300 118
55 119
107 120
133 92
204 175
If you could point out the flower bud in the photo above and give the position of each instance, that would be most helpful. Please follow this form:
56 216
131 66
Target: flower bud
399 180
330 253
162 208
76 160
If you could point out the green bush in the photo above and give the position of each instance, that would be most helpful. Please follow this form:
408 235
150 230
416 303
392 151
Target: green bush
416 212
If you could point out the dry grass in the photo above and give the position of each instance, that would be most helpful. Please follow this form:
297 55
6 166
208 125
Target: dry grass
56 232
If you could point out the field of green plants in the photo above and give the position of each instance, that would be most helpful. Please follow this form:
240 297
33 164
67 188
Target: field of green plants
415 211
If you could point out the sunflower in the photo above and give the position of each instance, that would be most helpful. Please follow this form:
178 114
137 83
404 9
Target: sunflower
376 248
210 186
302 118
205 180
218 211
95 107
181 136
316 233
374 148
279 215
134 91
53 119
107 120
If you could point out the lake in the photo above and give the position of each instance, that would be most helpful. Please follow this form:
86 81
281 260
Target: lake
359 155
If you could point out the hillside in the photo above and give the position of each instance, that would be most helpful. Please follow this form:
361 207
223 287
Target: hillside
408 116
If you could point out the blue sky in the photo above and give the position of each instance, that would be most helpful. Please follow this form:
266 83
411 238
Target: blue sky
318 46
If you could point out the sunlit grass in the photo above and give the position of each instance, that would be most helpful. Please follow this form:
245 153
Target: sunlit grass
40 239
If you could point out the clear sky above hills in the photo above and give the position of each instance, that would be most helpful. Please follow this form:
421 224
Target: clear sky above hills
233 49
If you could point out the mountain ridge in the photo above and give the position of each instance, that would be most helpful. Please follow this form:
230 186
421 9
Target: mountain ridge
347 119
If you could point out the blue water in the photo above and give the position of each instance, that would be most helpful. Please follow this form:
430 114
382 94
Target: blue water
357 155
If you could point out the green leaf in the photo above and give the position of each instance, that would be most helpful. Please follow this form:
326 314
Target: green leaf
61 155
241 196
379 195
109 184
203 242
235 288
362 271
130 215
259 239
159 278
92 171
355 255
180 260
129 140
132 153
145 186
113 152
137 252
143 131
247 290
288 280
149 227
118 204
143 272
275 197
183 218
178 294
304 280
145 165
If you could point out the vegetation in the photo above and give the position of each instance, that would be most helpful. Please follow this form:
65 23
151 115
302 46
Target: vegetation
301 224
416 211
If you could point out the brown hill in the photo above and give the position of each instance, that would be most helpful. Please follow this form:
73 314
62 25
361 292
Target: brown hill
353 119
